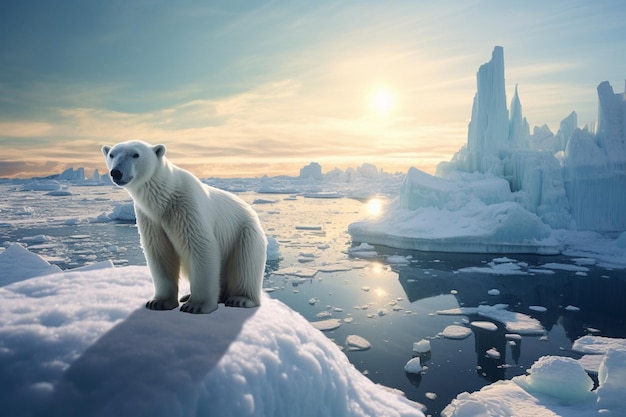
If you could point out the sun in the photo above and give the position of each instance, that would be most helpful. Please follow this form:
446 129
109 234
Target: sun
383 101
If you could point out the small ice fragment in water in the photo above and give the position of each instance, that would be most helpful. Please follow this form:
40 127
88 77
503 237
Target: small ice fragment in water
493 291
572 308
413 366
485 325
493 353
430 395
422 346
355 342
456 332
326 325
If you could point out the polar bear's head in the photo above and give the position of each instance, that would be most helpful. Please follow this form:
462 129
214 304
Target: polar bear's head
132 163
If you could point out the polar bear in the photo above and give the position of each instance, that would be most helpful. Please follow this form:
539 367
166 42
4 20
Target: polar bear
209 235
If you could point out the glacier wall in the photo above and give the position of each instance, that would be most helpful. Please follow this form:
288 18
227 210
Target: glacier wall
572 180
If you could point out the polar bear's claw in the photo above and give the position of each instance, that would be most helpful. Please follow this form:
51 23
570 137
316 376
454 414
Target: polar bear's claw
195 308
156 304
240 301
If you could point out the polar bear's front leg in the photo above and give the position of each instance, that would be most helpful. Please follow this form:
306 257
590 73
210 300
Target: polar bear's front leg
204 282
163 263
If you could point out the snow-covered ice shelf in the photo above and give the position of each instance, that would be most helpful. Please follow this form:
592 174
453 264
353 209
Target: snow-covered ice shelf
81 344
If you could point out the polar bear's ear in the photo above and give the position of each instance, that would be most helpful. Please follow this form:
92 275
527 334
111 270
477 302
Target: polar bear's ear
105 150
159 150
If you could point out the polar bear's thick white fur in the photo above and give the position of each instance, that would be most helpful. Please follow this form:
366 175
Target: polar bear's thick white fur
209 235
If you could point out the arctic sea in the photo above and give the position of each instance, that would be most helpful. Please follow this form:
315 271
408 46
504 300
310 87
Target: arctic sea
391 298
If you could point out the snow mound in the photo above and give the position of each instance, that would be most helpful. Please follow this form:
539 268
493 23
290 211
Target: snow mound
556 386
611 377
547 377
81 343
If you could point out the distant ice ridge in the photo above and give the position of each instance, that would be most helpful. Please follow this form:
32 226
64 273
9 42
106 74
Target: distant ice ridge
506 191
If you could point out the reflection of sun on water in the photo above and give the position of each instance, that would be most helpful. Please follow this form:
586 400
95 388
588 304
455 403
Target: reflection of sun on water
380 293
374 207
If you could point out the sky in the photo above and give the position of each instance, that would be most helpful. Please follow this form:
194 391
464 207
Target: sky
247 88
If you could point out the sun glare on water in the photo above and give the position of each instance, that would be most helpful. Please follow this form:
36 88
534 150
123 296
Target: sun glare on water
374 207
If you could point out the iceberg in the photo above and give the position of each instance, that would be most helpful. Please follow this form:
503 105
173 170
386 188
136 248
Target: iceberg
507 191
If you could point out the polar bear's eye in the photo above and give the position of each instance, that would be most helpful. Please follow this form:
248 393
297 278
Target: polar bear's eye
110 155
135 155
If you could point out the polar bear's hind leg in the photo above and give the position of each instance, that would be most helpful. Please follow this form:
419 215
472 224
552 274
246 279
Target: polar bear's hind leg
244 269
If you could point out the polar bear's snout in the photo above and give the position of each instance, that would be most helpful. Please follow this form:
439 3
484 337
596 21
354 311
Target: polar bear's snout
116 175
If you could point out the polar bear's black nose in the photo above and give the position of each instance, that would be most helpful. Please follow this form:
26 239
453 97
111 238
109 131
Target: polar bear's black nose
116 174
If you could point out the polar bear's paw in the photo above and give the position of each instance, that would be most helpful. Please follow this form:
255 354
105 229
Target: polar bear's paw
198 308
240 301
158 304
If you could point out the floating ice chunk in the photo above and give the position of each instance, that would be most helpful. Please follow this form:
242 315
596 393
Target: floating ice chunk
336 267
398 260
19 264
492 353
456 332
514 322
413 366
301 272
355 342
597 345
263 201
591 363
430 395
59 193
493 291
572 308
458 311
422 346
38 239
326 325
496 269
308 227
585 261
323 195
559 377
611 377
485 325
312 300
565 267
273 249
539 309
364 250
365 288
123 212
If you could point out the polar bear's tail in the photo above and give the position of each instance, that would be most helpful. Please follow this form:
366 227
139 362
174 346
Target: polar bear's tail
245 267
